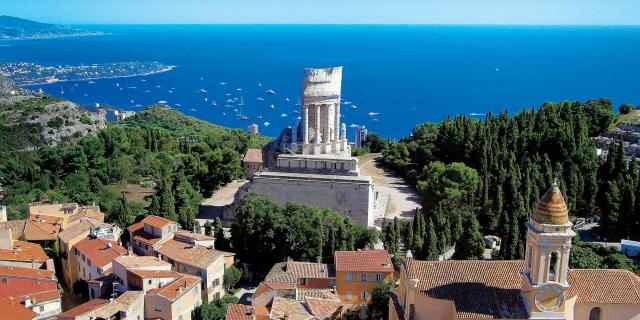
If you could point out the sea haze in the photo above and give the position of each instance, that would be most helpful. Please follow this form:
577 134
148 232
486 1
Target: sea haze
408 74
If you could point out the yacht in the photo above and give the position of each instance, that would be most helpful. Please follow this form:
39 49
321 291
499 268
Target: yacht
162 102
266 123
272 106
271 92
260 98
373 114
214 103
203 90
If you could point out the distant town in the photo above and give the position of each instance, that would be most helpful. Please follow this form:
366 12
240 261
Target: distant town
24 73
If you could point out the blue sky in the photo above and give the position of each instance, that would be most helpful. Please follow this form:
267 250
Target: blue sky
563 12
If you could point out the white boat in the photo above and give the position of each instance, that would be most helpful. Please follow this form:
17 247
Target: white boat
143 80
157 86
259 84
238 89
260 99
230 101
224 113
347 102
298 102
170 91
214 103
192 109
132 102
259 117
86 95
117 84
353 106
271 92
228 94
376 120
283 115
353 125
241 101
75 85
162 102
132 87
286 99
373 114
266 123
272 106
244 117
178 105
222 83
296 111
61 90
147 91
201 78
476 114
91 82
203 91
206 99
121 89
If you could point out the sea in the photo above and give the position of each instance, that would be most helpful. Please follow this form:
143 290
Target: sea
394 76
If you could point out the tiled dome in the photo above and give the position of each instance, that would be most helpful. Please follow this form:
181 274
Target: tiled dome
552 209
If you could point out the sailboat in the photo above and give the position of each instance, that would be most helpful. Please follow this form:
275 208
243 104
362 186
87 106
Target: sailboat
298 102
214 103
241 101
61 90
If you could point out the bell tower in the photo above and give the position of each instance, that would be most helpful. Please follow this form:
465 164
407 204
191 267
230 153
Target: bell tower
544 278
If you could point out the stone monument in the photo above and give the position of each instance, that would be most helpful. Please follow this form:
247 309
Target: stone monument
310 162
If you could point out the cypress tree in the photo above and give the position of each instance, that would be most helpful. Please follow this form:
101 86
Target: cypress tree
470 245
408 239
167 201
154 207
430 246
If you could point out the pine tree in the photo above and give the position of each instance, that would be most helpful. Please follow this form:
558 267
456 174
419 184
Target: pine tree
430 246
470 245
408 238
167 201
154 207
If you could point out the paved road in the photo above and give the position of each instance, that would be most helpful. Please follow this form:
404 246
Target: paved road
586 235
403 199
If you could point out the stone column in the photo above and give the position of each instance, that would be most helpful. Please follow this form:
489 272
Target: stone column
305 124
318 140
336 123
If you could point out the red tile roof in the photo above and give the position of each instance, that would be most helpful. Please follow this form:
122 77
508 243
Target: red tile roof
27 273
309 269
44 296
243 312
156 221
99 251
42 227
136 227
14 310
84 308
479 289
613 286
365 261
253 155
176 288
190 254
324 308
24 251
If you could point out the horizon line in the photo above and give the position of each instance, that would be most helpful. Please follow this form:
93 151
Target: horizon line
354 24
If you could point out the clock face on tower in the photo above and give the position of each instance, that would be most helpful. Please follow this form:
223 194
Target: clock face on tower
549 297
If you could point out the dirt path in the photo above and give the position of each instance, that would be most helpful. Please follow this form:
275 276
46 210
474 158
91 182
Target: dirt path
403 199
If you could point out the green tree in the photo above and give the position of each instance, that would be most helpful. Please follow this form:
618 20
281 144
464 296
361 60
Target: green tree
380 299
470 245
231 277
626 108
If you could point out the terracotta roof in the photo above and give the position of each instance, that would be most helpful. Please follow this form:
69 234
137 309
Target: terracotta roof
190 254
99 251
278 273
93 213
323 308
552 209
304 293
42 227
253 155
479 289
121 303
193 235
14 310
265 287
136 227
147 238
44 296
243 312
290 309
614 286
366 261
310 269
82 227
156 221
177 288
27 273
24 251
84 308
16 226
136 262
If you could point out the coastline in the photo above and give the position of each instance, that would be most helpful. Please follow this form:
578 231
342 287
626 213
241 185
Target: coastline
167 69
93 34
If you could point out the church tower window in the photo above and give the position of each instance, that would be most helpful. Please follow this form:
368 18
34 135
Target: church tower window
553 264
595 314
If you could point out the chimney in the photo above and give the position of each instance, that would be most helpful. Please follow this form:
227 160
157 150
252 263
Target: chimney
38 219
109 245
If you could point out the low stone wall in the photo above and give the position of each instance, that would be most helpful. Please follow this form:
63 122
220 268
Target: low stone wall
353 196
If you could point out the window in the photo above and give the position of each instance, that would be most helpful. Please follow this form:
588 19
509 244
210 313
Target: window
364 295
530 258
364 277
180 317
349 296
178 305
157 308
89 262
379 277
216 296
553 263
349 276
5 280
216 282
194 291
595 314
303 281
149 281
41 308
